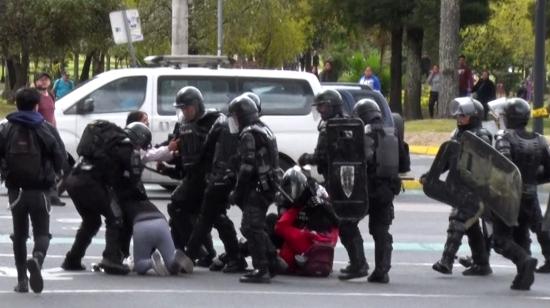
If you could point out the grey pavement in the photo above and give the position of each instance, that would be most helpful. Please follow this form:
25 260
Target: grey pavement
419 231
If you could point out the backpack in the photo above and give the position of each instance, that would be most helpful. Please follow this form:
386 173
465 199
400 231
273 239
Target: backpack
23 155
319 260
97 140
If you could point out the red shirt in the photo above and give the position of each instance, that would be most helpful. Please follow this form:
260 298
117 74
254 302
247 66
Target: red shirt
46 108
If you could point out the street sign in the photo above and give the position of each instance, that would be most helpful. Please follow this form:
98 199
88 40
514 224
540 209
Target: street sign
119 29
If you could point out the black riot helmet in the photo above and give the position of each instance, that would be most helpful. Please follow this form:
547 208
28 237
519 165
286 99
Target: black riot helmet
467 106
253 96
333 102
367 110
294 184
516 113
244 110
190 96
139 134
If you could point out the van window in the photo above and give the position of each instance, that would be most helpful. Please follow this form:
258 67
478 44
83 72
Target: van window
280 96
121 95
217 91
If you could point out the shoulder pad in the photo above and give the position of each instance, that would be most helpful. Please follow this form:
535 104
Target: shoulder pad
126 141
501 133
322 125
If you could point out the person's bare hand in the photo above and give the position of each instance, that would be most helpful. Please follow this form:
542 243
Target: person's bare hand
173 145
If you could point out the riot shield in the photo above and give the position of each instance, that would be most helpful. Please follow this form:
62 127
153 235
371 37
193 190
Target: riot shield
347 169
491 176
444 190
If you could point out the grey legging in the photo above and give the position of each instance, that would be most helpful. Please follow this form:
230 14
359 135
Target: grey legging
150 235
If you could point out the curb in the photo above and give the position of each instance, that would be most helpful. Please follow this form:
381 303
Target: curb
423 150
411 185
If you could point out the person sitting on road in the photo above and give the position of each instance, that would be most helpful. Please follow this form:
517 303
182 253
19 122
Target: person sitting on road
306 227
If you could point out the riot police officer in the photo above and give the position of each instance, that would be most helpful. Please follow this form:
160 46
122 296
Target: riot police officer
529 152
90 187
329 105
257 182
383 184
187 197
219 154
464 218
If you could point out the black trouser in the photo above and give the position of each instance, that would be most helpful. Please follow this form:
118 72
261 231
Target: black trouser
184 209
350 236
253 227
92 200
530 218
213 213
381 215
432 102
36 205
463 221
504 244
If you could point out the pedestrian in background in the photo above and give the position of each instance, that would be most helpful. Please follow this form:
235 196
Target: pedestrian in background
434 80
465 77
370 80
328 74
62 86
485 91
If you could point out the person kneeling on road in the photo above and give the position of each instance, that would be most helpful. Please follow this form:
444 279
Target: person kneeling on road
307 225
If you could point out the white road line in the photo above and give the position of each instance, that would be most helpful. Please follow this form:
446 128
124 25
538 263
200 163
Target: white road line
285 293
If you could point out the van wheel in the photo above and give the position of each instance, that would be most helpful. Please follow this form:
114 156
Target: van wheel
168 187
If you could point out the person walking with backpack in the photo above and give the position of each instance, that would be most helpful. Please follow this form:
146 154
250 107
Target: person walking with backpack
31 156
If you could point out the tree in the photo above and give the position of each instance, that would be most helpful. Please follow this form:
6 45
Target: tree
448 53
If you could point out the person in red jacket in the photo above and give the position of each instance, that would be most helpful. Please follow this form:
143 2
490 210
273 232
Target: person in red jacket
307 225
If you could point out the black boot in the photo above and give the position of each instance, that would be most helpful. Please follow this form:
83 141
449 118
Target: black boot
256 276
526 275
346 269
445 265
72 264
545 268
277 266
35 274
478 270
22 286
238 265
382 258
358 263
113 268
218 263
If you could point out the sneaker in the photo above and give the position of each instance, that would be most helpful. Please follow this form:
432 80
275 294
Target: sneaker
185 264
545 268
158 264
22 286
35 277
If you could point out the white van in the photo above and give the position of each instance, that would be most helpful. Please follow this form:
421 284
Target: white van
286 103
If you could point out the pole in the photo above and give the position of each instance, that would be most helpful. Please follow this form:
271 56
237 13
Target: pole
129 38
540 65
180 27
220 27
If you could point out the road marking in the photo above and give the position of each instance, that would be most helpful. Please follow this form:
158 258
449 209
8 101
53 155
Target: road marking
287 293
55 273
397 246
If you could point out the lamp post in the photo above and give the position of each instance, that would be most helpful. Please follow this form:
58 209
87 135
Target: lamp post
540 65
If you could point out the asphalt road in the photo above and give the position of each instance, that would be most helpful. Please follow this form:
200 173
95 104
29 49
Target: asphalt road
419 231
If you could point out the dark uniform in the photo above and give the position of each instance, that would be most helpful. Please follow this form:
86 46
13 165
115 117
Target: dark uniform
383 185
90 187
219 154
31 156
187 198
464 218
529 151
257 182
329 105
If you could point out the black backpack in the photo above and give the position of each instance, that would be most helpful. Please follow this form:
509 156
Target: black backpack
24 157
97 140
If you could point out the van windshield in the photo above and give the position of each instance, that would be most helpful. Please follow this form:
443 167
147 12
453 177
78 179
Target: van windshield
278 96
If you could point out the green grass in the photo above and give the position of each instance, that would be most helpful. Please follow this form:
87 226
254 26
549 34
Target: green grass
436 125
5 108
